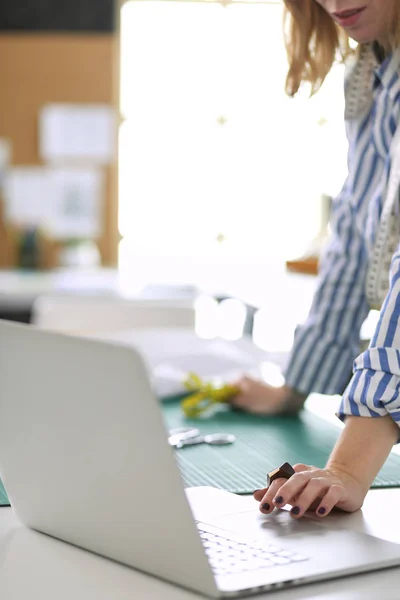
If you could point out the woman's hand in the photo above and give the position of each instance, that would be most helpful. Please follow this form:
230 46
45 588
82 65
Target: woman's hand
262 399
313 489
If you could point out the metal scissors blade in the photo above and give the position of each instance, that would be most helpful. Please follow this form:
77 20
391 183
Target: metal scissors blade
180 434
213 439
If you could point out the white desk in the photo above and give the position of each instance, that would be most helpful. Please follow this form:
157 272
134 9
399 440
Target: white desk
21 288
36 567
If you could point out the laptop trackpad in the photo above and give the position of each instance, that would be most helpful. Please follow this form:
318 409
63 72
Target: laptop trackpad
254 524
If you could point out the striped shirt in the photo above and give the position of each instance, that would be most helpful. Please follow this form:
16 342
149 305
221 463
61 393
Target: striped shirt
327 343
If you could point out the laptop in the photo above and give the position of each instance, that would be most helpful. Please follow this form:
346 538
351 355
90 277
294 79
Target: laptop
84 457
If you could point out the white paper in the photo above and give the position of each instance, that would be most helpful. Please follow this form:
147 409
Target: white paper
170 354
66 203
5 159
27 196
77 203
76 132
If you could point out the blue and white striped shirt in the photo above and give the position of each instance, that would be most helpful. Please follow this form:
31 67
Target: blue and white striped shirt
327 343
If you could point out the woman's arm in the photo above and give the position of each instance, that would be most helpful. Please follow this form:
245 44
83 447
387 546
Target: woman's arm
371 408
327 343
363 447
354 463
375 387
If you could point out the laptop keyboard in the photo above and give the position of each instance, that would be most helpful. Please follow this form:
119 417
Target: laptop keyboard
227 556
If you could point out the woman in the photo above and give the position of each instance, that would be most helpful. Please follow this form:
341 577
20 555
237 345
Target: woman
354 269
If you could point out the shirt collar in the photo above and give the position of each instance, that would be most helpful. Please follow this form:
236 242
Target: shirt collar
387 74
364 74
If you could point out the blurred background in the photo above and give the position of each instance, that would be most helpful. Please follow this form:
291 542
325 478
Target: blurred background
148 150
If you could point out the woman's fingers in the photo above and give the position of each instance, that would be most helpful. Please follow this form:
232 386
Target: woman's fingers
301 467
311 489
257 397
259 494
315 488
307 490
290 489
266 495
266 502
334 495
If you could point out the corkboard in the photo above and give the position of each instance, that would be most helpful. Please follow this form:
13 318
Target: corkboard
36 69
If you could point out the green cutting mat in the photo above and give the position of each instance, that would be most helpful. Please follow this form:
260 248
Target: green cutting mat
3 496
261 444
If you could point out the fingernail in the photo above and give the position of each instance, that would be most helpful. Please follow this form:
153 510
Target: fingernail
265 506
295 510
322 510
255 491
279 500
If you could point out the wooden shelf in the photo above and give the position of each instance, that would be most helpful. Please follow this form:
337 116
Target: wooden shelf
306 265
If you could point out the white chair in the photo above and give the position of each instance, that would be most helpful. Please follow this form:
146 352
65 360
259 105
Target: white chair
88 314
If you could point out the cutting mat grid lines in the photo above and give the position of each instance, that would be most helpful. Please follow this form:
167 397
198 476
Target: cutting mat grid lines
262 443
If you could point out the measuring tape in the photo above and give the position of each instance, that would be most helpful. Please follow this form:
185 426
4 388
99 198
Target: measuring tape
388 236
358 93
359 76
204 394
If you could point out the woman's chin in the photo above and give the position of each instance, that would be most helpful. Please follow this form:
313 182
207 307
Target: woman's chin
359 37
363 35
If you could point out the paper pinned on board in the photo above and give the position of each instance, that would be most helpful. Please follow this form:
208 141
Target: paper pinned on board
5 159
27 196
77 132
67 203
77 203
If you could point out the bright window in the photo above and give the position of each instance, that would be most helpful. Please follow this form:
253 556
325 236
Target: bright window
214 158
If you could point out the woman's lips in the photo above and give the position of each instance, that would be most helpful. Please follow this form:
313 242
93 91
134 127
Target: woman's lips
348 18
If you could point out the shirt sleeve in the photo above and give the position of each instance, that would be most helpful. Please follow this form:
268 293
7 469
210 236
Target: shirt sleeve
374 390
326 345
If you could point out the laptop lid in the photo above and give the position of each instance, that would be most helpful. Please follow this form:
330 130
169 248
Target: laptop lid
84 458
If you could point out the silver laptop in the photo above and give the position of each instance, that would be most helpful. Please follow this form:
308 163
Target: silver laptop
84 457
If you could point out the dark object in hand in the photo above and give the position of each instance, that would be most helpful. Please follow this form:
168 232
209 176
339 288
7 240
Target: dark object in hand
285 471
